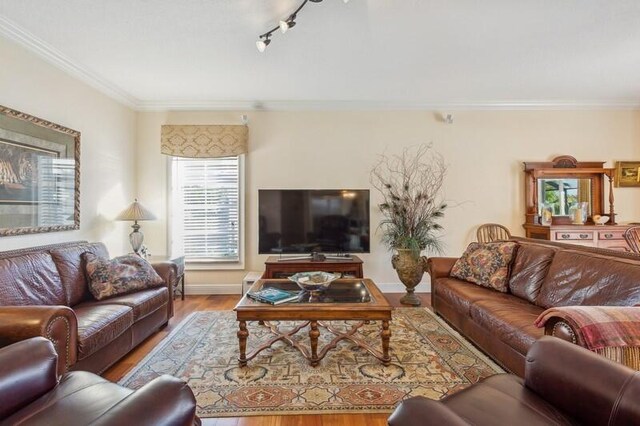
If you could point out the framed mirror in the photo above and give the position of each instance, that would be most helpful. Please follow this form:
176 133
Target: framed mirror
563 193
39 175
564 182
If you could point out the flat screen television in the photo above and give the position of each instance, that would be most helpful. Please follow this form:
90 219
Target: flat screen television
313 220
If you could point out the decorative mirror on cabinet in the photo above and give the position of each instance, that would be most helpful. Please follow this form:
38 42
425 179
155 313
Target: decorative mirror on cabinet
563 196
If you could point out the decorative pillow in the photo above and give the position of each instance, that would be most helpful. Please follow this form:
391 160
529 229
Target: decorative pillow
122 275
486 264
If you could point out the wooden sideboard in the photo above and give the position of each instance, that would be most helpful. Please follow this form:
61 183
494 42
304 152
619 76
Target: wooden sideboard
349 267
602 236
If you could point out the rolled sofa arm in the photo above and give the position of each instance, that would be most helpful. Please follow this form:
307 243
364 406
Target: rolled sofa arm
168 271
420 411
440 267
556 370
563 329
172 401
611 331
27 371
56 323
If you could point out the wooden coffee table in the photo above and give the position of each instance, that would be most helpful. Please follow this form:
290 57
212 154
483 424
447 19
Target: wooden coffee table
356 300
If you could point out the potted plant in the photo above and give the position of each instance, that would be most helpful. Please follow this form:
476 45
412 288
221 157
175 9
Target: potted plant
410 184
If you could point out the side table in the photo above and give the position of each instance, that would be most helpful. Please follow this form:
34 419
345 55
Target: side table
179 261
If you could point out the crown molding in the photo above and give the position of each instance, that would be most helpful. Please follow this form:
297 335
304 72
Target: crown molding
281 105
13 32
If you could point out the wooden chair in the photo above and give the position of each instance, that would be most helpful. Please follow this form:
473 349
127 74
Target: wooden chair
632 236
490 232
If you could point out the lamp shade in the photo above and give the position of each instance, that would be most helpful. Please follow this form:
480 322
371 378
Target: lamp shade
136 211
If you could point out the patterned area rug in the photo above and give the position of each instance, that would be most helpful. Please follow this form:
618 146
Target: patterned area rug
428 359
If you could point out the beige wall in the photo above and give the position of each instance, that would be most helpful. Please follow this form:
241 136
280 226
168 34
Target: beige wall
484 151
107 183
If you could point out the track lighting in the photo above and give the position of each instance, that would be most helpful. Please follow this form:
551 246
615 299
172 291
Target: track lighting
288 24
284 26
262 44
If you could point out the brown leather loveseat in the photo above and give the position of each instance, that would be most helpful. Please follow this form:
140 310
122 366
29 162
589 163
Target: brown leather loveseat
543 275
44 292
563 385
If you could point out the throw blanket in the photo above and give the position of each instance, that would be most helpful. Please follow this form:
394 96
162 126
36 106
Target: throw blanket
611 331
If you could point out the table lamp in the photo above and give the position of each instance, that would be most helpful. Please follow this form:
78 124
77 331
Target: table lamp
136 212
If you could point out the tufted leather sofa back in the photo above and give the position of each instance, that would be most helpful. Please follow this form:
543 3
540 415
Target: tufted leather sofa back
46 275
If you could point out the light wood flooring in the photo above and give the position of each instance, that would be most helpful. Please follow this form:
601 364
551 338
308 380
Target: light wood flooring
213 303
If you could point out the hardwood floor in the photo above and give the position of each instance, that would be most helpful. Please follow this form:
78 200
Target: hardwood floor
191 304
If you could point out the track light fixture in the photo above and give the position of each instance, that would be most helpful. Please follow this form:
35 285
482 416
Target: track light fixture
262 43
284 26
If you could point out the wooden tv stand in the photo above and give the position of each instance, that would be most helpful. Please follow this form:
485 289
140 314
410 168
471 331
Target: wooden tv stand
275 268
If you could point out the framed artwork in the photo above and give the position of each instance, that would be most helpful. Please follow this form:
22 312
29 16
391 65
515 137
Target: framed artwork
39 175
627 174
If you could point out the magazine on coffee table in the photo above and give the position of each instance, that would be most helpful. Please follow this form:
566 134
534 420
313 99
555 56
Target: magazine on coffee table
273 296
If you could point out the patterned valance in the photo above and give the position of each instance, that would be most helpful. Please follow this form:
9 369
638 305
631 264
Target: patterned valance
204 141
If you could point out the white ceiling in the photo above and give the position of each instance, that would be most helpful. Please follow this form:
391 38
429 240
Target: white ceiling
376 53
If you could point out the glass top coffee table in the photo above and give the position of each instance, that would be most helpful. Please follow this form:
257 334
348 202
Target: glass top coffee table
357 300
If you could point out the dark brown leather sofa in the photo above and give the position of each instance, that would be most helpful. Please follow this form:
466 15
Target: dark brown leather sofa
44 292
563 384
543 275
32 394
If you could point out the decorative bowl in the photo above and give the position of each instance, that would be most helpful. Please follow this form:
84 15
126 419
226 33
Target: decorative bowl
600 220
314 281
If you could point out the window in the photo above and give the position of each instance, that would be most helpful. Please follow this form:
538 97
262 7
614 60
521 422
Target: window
206 208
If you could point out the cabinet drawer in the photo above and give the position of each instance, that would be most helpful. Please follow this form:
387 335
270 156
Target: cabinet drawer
573 235
610 235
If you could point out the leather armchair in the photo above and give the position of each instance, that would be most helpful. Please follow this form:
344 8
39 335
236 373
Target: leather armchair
563 384
32 394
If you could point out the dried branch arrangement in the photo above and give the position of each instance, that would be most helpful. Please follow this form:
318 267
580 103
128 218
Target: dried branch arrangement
411 185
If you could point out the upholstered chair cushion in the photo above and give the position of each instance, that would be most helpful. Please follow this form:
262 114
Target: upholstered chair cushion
486 264
121 275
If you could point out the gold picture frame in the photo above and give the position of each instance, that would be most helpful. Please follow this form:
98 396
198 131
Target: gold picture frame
627 174
39 175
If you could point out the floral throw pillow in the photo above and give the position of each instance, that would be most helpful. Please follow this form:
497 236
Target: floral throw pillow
486 264
122 275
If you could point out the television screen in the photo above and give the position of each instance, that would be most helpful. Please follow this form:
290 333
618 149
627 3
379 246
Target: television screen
309 220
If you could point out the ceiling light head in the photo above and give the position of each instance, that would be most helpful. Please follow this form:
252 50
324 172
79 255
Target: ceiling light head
262 44
288 24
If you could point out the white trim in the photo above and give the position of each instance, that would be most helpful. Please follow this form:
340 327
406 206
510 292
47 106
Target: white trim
13 32
319 105
213 288
400 288
237 288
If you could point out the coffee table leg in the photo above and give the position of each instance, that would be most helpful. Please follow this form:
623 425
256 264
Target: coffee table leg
386 336
314 333
243 333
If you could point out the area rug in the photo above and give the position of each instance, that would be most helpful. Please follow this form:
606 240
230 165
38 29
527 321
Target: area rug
428 359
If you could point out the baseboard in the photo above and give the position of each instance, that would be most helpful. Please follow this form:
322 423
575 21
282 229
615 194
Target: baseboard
237 288
213 289
400 288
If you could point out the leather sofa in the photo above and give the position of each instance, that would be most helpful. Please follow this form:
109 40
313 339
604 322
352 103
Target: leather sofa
32 394
563 384
44 292
543 275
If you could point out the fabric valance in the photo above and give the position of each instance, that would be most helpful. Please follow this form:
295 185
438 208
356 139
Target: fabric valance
208 141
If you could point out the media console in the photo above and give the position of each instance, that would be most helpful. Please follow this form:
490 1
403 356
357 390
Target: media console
348 267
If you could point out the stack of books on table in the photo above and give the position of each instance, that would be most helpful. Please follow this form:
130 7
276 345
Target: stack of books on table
273 296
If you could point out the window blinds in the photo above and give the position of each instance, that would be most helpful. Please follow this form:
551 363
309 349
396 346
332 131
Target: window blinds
205 208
